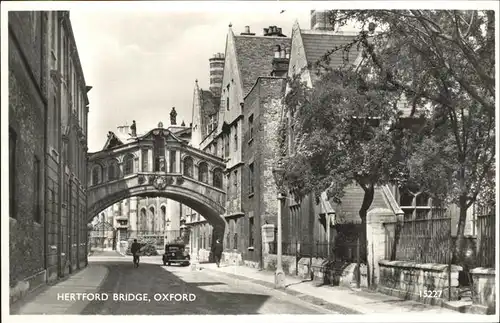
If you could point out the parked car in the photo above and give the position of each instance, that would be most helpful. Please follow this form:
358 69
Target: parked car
176 253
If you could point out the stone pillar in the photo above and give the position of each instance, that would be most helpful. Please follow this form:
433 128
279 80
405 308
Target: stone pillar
167 161
133 215
268 237
150 160
375 236
140 160
178 161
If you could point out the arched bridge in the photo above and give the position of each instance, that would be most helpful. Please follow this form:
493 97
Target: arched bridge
157 164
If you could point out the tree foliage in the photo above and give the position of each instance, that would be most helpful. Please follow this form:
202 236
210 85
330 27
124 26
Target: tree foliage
440 65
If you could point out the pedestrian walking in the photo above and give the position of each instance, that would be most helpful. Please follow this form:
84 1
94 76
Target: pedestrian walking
135 250
217 251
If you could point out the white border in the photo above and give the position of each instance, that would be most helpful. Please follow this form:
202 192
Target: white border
208 6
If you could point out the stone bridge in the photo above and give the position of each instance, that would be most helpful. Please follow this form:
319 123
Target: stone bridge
157 164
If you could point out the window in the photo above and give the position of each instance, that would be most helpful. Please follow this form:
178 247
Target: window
12 173
217 178
235 182
250 232
96 176
203 172
172 161
228 181
128 162
416 205
113 170
250 127
227 98
159 154
144 156
215 148
226 142
236 138
36 190
251 178
235 241
188 167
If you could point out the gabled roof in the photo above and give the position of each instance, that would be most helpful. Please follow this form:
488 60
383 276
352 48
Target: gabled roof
255 55
112 141
318 43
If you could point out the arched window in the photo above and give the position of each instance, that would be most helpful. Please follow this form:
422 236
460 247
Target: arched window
163 211
128 164
217 178
96 175
113 170
188 167
143 220
152 212
235 242
203 172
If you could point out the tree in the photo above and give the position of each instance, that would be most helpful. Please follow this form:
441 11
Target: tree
346 134
443 62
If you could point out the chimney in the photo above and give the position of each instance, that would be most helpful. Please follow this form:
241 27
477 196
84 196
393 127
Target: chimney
320 20
280 61
277 51
247 32
273 31
216 73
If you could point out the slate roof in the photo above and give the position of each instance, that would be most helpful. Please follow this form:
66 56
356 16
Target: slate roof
255 55
209 103
317 44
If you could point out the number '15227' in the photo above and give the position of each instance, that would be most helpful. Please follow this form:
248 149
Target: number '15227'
431 293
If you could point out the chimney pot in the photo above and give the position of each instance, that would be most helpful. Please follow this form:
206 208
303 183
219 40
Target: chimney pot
247 29
266 31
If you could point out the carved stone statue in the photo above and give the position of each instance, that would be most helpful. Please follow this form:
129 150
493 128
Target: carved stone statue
173 115
133 129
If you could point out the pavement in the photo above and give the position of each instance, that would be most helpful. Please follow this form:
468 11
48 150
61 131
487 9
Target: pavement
340 299
154 289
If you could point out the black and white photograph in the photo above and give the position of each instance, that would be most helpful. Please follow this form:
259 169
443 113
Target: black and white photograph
320 161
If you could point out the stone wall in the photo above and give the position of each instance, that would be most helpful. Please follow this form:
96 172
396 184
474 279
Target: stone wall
288 263
410 280
232 258
27 119
483 290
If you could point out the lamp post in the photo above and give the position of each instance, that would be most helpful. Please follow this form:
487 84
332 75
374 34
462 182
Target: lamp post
167 225
279 178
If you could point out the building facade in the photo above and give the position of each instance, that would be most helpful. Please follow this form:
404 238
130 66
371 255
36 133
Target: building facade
252 86
48 108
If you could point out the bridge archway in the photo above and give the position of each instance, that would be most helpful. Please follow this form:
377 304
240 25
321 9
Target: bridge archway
140 169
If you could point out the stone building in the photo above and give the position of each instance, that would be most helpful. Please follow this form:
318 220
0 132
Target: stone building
48 108
221 124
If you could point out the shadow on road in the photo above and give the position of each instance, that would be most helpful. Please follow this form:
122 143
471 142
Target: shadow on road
151 279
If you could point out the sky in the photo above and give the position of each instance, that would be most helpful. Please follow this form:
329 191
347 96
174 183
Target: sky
141 63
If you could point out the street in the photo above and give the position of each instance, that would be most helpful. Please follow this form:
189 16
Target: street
213 294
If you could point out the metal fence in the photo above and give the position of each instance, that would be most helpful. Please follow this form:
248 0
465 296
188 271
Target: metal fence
485 256
347 252
419 240
430 240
